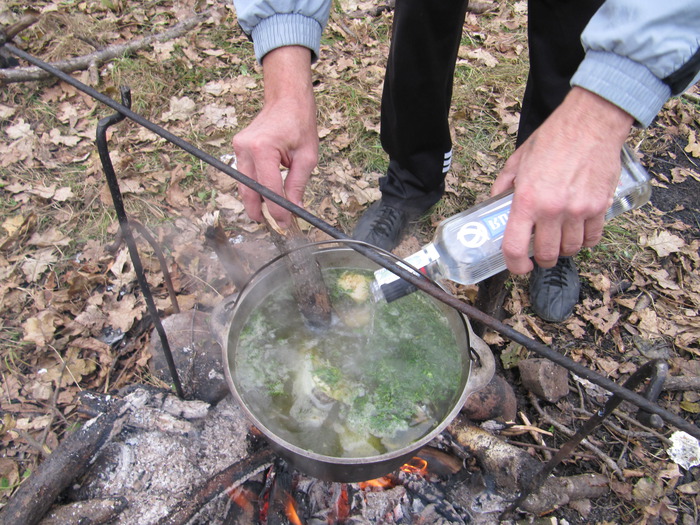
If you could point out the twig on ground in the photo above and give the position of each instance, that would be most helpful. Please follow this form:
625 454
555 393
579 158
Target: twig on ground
537 436
33 73
54 406
545 448
35 444
611 464
646 433
692 97
682 383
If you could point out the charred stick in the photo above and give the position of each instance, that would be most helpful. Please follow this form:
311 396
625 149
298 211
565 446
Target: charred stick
67 462
310 289
93 511
281 500
231 475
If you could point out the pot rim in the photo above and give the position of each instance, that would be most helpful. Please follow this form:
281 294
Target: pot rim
469 383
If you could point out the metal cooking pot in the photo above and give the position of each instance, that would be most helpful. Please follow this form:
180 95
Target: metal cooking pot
478 369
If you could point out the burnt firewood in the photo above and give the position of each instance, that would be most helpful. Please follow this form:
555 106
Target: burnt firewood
223 480
510 469
66 463
440 463
280 496
310 289
92 512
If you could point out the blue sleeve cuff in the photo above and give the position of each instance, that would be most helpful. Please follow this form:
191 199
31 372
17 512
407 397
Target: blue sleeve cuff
624 82
286 30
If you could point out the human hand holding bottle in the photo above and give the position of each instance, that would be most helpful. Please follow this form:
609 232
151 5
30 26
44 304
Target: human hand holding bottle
564 176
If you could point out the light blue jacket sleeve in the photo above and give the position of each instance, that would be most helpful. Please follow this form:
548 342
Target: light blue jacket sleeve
641 52
276 23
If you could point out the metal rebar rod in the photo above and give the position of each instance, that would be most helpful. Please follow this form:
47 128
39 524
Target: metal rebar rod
417 281
113 184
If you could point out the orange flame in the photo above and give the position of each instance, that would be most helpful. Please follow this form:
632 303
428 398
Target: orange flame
291 511
415 466
379 483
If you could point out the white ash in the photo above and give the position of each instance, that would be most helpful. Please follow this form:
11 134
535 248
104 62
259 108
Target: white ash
167 447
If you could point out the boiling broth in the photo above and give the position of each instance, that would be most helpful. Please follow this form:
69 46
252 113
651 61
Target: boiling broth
381 377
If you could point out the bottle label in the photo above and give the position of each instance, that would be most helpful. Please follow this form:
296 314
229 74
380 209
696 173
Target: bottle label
420 260
476 233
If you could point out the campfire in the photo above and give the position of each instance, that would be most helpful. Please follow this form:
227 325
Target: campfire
149 457
415 493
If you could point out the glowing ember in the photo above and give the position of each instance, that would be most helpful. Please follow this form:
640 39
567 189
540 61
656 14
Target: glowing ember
291 511
379 483
415 466
242 497
342 505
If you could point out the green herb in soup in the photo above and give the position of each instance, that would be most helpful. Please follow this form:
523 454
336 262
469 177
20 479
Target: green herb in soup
381 377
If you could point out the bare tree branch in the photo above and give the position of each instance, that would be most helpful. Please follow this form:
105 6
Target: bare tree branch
26 74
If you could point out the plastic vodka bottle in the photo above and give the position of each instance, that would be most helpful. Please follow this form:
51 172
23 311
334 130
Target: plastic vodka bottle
467 246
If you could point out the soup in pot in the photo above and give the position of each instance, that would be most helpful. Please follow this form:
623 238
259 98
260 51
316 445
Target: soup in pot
381 377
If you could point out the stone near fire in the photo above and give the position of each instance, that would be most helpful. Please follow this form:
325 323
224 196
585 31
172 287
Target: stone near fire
495 401
196 353
544 378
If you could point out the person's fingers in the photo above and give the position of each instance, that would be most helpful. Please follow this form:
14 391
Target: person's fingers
251 199
268 174
298 176
571 237
593 231
505 179
516 242
547 243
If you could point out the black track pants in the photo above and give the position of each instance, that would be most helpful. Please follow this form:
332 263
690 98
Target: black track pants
417 94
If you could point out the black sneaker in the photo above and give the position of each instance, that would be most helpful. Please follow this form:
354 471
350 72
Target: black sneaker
554 291
381 225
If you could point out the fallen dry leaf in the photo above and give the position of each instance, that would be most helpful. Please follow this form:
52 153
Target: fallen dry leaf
663 242
35 265
181 108
41 328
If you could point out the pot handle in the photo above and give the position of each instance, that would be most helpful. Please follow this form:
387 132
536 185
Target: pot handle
484 367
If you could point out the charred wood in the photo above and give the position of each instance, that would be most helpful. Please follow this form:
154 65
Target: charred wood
65 464
310 289
217 484
90 512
